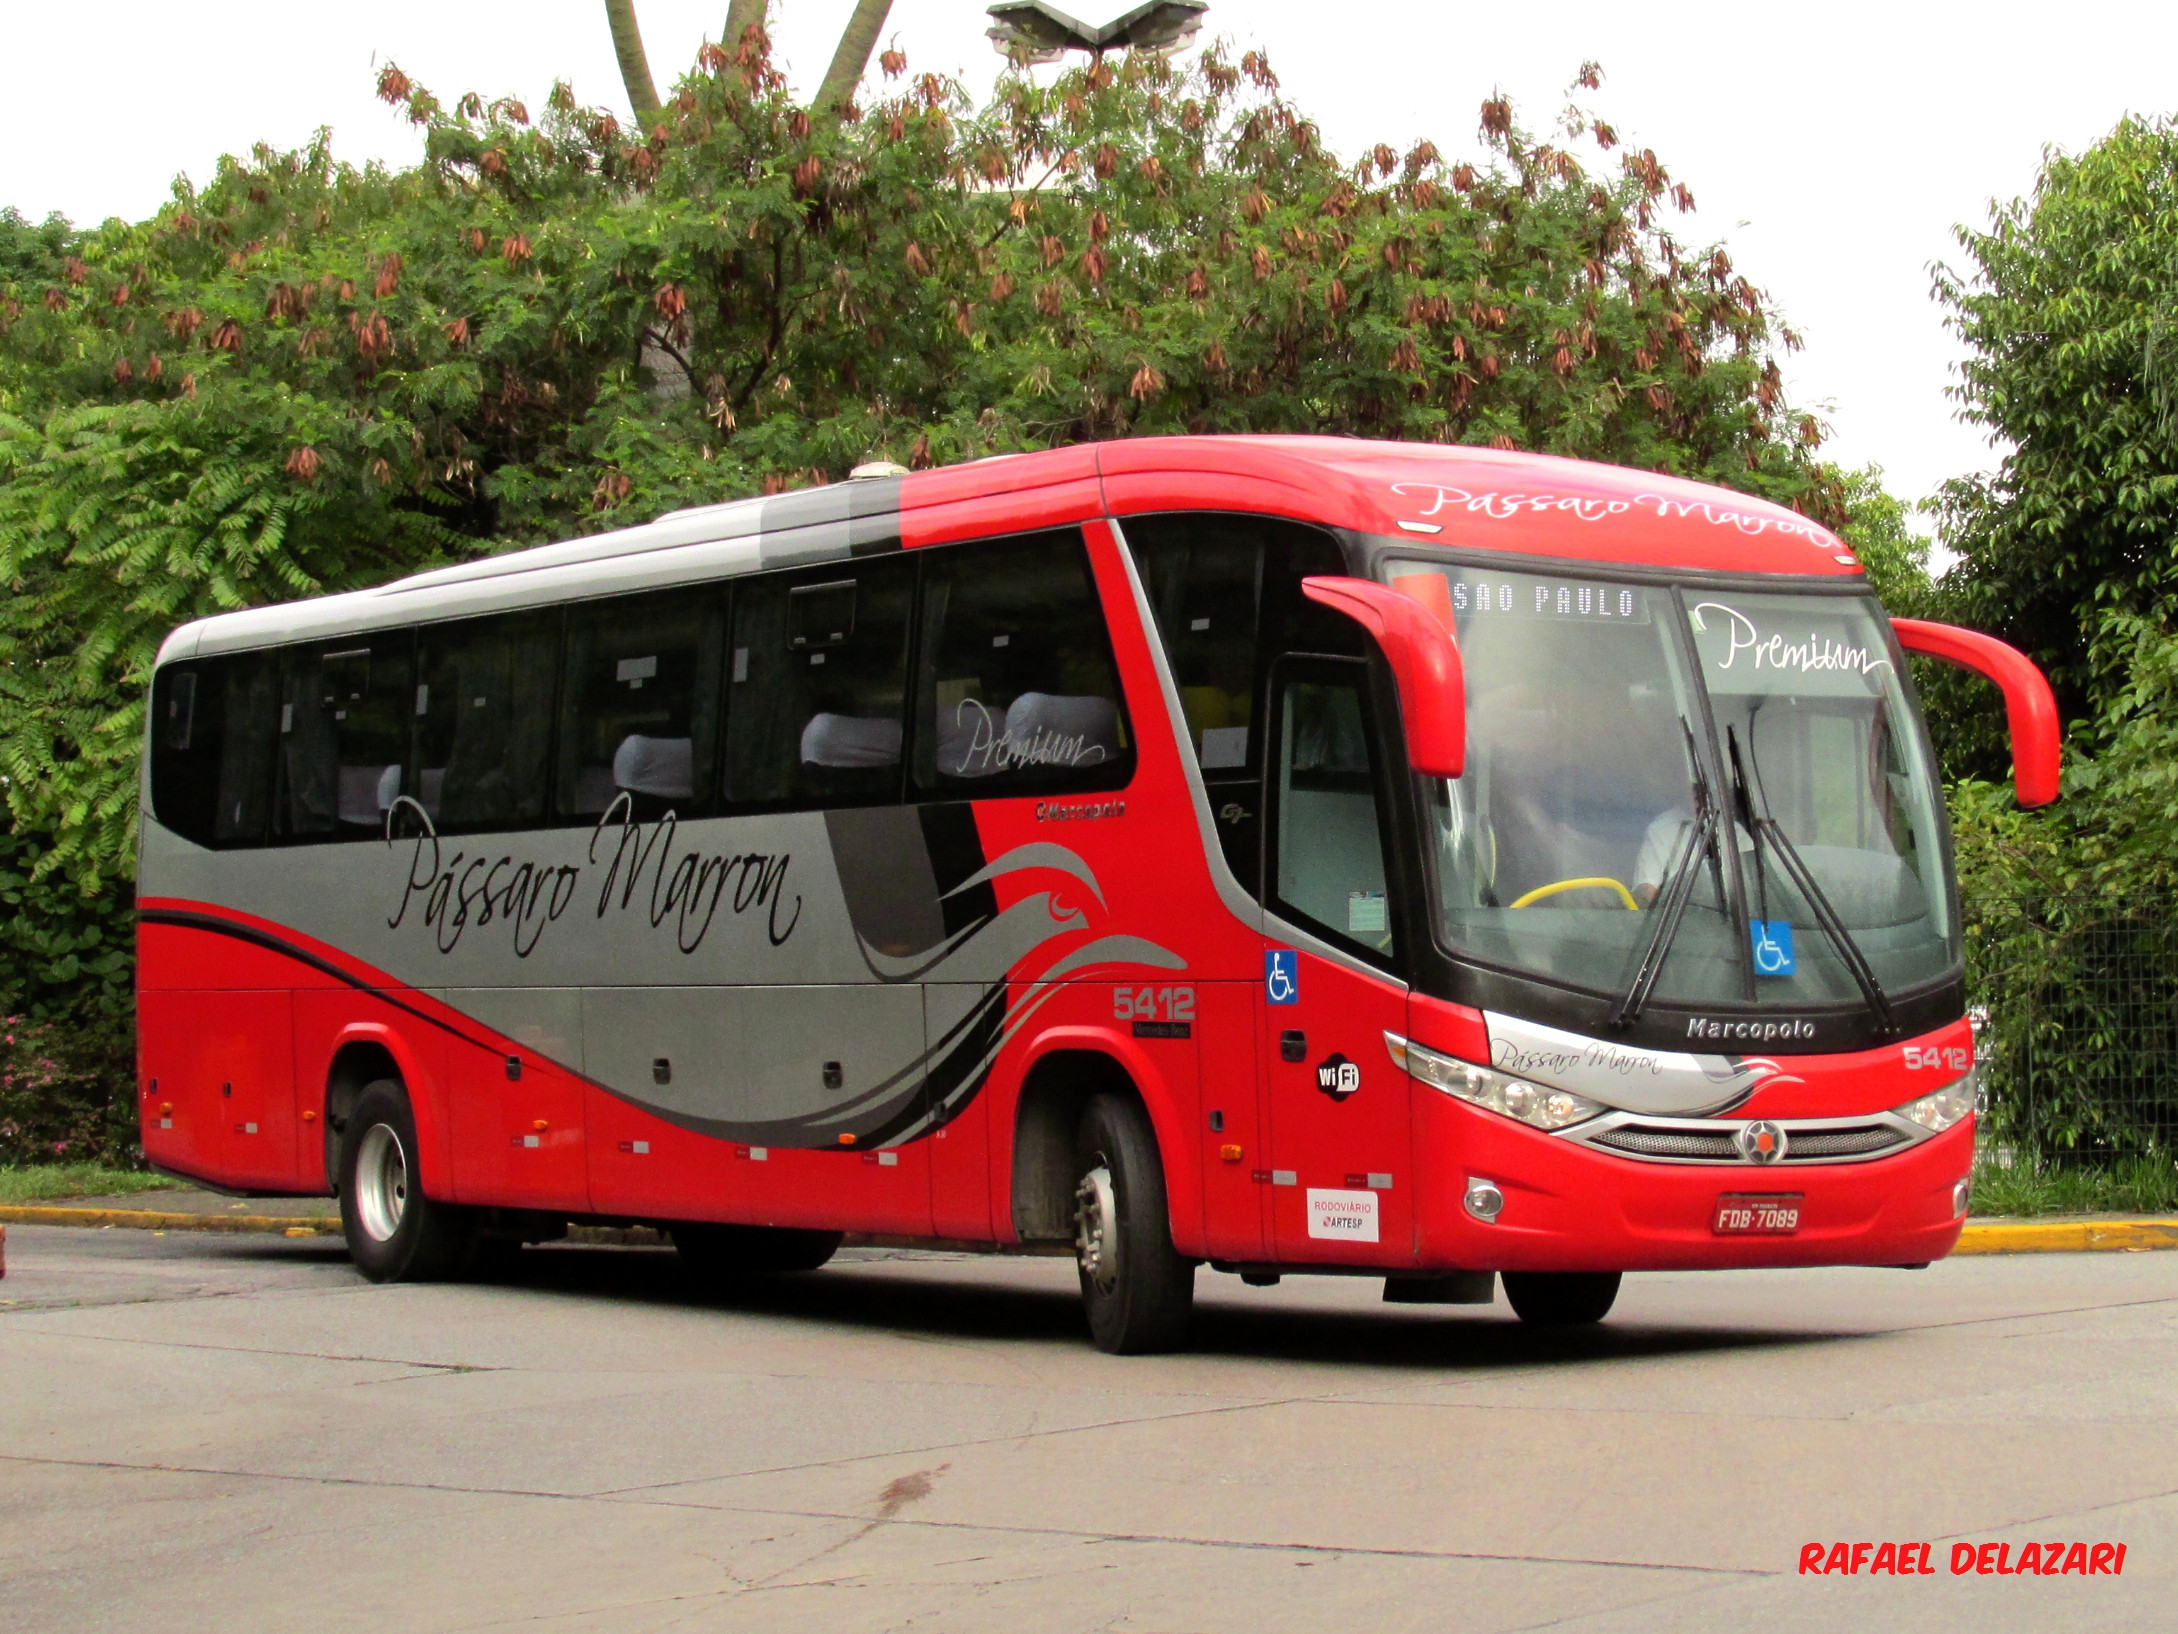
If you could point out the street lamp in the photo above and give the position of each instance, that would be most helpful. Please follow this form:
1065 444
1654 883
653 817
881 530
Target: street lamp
1037 31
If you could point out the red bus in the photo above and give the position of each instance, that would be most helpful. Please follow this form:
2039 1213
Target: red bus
1286 854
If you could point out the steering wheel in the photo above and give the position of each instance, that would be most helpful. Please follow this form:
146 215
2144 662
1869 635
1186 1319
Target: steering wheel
1555 886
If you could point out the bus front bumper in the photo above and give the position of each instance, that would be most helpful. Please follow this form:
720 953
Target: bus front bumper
1569 1207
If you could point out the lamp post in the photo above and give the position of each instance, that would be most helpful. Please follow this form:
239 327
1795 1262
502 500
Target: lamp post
1036 31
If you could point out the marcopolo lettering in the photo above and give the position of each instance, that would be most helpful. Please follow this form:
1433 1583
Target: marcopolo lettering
1756 1031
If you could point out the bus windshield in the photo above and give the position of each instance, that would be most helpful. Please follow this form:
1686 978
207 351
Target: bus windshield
1604 717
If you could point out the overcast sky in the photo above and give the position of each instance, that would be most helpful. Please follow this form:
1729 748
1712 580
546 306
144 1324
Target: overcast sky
1832 148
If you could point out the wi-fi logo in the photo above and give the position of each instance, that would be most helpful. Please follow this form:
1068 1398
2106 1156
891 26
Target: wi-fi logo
1337 1077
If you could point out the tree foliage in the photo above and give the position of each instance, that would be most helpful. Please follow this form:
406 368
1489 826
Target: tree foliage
2070 549
2067 310
307 375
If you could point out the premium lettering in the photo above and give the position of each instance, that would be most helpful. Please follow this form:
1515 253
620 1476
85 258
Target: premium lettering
1813 655
995 747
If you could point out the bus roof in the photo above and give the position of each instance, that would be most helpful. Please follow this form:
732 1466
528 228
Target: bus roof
1429 494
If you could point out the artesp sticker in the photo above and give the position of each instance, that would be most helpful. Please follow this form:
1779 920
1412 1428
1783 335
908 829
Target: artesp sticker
1342 1216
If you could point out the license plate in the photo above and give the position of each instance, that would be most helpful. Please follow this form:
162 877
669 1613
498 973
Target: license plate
1757 1214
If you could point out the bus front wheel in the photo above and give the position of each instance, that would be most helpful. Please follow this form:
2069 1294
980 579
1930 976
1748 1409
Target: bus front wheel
1561 1299
395 1232
1138 1289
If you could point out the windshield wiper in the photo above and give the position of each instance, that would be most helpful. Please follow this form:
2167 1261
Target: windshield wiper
1678 889
1765 827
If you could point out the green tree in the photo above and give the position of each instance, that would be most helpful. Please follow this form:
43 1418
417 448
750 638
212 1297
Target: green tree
306 376
1877 527
2066 308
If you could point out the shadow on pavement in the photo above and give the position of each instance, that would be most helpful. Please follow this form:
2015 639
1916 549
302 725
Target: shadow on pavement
848 1294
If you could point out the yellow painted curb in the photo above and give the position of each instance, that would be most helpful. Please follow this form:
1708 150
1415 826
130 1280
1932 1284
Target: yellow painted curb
148 1220
2066 1236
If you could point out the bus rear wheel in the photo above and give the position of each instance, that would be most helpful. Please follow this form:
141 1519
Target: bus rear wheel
395 1232
1138 1290
728 1253
1561 1299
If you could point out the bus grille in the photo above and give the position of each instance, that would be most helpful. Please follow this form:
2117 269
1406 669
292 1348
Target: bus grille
1676 1143
1862 1142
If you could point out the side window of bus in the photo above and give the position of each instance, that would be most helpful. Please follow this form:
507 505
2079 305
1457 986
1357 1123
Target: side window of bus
346 707
1018 692
817 685
1204 576
484 721
1327 834
1226 592
639 716
211 748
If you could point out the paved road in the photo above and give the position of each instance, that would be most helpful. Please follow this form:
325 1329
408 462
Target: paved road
232 1433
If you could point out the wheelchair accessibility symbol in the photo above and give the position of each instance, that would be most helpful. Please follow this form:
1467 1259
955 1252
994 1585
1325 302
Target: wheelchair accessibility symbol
1772 946
1281 976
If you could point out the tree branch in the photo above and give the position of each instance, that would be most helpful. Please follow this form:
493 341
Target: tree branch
658 340
778 327
634 64
740 16
856 41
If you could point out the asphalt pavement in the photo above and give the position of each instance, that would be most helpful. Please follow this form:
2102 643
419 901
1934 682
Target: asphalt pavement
217 1432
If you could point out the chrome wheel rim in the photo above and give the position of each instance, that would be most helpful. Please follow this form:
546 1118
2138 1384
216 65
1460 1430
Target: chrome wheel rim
381 1183
1096 1228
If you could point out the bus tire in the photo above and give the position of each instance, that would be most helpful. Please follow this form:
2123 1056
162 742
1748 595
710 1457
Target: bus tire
1561 1299
1137 1289
395 1232
728 1253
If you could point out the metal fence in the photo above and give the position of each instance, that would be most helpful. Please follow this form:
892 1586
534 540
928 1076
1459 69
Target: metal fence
2076 1006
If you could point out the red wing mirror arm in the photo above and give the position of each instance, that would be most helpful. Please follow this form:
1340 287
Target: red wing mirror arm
2028 702
1416 637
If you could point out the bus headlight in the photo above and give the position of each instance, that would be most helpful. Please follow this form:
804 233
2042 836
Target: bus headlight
1536 1105
1939 1111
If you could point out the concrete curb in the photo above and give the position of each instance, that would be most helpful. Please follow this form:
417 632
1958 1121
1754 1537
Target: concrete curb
278 1225
2119 1234
2109 1234
154 1220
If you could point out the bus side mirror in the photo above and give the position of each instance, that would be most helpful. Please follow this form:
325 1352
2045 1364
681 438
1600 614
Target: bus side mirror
2029 705
1416 637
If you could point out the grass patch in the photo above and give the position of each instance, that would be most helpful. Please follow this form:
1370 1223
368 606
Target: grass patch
44 1182
2132 1185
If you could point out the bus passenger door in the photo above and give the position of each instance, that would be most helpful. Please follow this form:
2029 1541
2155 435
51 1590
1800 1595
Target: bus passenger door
1341 1173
